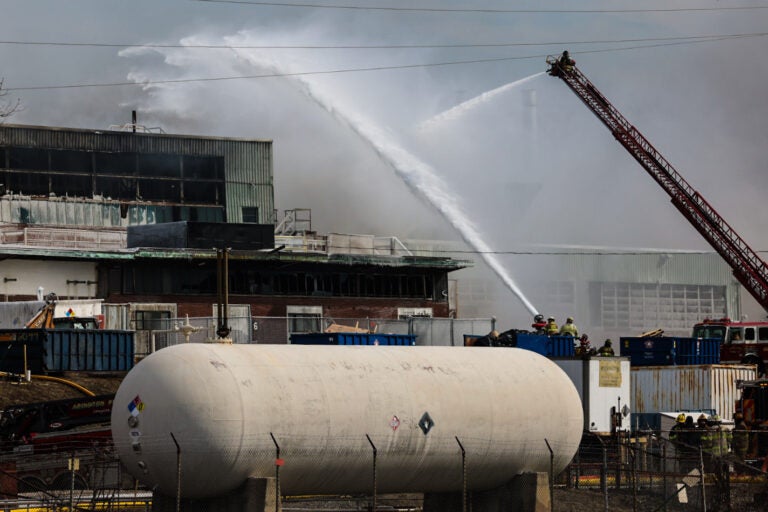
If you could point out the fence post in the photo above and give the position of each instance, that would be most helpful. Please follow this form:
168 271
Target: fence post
603 471
604 475
578 468
703 482
620 456
72 480
278 463
725 469
551 474
463 475
375 451
634 457
178 473
664 472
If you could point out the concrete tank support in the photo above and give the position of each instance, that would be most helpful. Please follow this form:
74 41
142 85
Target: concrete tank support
255 495
229 406
528 492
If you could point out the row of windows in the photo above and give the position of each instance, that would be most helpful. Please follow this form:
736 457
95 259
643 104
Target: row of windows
643 306
110 214
125 164
123 176
202 280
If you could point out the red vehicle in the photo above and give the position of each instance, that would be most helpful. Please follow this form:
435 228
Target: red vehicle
742 342
753 404
747 266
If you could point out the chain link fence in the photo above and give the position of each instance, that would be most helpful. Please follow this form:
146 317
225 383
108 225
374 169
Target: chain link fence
83 474
651 473
609 472
164 332
361 472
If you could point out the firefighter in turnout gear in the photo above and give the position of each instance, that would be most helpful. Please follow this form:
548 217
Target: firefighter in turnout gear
676 433
551 328
606 350
740 439
569 328
566 62
721 437
539 325
705 435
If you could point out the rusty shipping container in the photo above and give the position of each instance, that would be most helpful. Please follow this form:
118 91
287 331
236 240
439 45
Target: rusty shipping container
706 387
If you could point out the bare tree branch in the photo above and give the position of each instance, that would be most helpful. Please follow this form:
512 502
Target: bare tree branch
8 107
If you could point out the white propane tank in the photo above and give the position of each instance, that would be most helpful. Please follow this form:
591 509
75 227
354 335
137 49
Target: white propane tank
229 408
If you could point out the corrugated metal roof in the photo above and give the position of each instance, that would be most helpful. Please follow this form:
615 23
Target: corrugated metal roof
21 132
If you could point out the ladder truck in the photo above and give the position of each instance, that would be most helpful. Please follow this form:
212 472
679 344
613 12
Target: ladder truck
748 268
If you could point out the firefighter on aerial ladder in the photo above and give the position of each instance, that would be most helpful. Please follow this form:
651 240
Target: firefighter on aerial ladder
565 62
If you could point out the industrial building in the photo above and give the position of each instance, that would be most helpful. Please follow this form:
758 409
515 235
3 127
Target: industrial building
135 218
611 292
108 179
75 196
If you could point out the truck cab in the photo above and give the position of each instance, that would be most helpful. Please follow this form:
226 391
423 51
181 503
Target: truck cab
741 342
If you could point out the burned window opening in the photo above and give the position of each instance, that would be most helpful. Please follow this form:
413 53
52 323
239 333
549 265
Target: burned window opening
119 164
159 165
127 176
72 161
250 214
244 280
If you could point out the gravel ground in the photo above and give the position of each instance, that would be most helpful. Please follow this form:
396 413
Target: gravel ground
13 392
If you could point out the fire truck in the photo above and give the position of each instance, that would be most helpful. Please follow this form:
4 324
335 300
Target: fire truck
747 266
753 404
741 342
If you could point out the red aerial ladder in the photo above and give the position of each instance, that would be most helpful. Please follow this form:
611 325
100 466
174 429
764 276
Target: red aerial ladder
748 267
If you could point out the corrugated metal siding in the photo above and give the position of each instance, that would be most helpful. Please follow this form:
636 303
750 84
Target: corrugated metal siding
674 388
82 350
117 316
662 267
95 140
249 182
65 350
15 315
655 268
248 163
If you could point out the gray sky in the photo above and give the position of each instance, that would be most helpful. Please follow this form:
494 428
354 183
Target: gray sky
522 169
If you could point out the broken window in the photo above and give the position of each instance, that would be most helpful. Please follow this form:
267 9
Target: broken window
73 186
160 165
71 161
28 159
28 183
251 214
159 190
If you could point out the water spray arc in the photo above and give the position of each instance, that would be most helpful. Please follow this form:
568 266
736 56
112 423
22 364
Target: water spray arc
417 175
465 106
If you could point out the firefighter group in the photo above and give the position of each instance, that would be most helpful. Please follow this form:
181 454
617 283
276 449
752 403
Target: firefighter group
708 435
582 344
